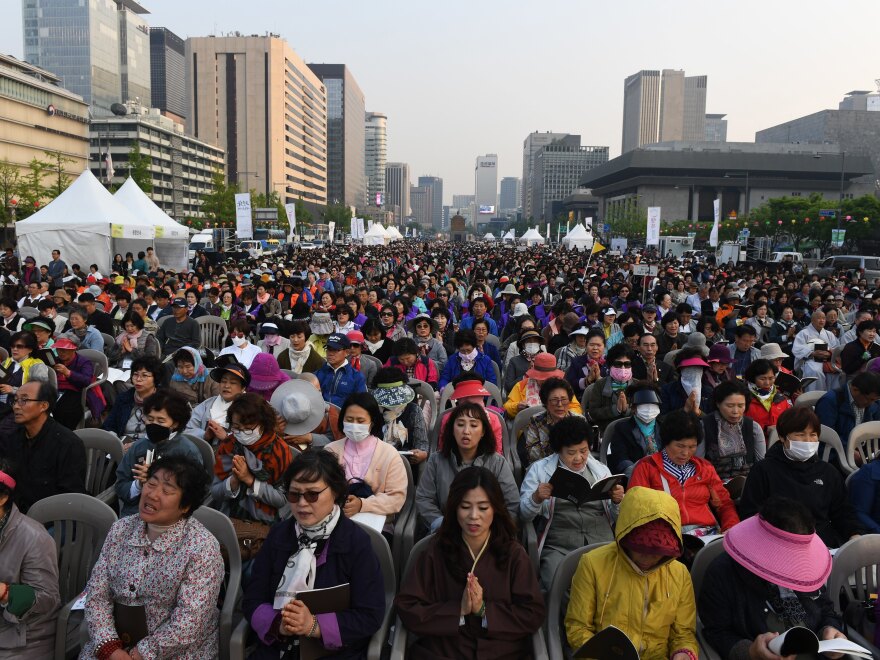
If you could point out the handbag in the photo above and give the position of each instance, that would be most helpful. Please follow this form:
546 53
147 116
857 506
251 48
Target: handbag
250 535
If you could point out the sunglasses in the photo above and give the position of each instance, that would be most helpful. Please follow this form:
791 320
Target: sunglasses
621 364
386 314
310 496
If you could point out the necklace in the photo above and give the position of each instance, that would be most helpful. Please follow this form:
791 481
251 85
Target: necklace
480 553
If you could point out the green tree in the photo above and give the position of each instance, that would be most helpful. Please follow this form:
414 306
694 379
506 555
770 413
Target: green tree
340 214
219 204
139 168
55 164
31 192
9 182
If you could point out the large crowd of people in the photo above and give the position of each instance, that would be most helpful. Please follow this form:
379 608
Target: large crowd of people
460 386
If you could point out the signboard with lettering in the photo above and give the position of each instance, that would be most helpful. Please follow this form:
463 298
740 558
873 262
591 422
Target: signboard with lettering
643 270
244 224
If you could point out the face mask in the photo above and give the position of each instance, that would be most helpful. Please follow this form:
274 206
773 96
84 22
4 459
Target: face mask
374 345
356 432
647 412
470 357
157 433
801 451
532 348
621 374
242 342
248 437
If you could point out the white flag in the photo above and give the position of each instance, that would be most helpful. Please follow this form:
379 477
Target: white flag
713 236
653 231
108 162
291 220
548 231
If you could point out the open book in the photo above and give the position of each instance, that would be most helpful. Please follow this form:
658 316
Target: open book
789 383
570 486
374 520
797 640
606 644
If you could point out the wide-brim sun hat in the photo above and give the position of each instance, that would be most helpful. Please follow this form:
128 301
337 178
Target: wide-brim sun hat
800 562
301 405
468 388
693 362
544 367
389 395
411 324
321 324
772 351
238 370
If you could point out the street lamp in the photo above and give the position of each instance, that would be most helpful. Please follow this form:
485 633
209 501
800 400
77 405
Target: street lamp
842 155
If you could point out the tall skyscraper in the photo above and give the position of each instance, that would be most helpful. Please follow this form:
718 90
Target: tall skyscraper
376 156
716 128
422 200
168 73
663 106
256 98
346 135
486 185
558 168
397 188
509 197
100 48
435 183
531 144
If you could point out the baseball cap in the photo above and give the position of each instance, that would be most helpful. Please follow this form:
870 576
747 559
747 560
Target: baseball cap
338 341
179 302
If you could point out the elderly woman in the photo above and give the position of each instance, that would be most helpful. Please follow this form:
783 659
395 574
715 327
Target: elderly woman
29 596
467 440
577 346
126 418
266 376
481 332
74 374
209 420
161 561
272 341
165 414
733 440
527 392
556 396
793 469
228 310
473 592
466 358
530 343
22 365
190 377
639 435
405 356
404 422
317 548
690 391
856 354
135 342
250 463
607 399
424 328
300 356
568 526
705 504
88 335
589 367
765 403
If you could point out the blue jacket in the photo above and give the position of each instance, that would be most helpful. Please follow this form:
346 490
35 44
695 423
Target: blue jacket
467 323
834 410
482 366
348 557
119 413
864 494
337 385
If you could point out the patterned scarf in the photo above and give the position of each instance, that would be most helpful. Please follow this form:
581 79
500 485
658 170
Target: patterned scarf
680 472
267 459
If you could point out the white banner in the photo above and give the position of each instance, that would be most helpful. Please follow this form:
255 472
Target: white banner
653 232
713 236
291 220
331 229
244 224
588 223
548 231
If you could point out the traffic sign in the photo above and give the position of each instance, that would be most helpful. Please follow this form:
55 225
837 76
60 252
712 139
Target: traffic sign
827 213
606 228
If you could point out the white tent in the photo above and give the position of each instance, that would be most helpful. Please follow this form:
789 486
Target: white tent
394 233
532 237
375 235
579 238
171 238
489 237
509 236
84 222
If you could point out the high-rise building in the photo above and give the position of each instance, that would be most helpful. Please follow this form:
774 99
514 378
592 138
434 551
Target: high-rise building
461 202
168 73
558 168
435 183
257 99
447 214
376 156
486 185
421 198
509 196
663 107
346 135
100 48
716 128
397 188
531 144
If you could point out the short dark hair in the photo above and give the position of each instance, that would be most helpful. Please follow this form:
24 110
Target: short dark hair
867 324
299 328
368 402
404 346
867 382
476 411
311 466
554 384
465 336
798 418
787 514
240 325
171 402
618 351
745 329
134 318
758 368
123 295
10 303
151 364
86 297
28 338
680 425
46 303
251 408
571 430
190 476
728 388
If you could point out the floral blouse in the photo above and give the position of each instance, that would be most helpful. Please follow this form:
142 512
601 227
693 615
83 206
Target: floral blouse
177 578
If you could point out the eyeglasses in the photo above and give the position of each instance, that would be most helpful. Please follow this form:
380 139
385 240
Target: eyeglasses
560 401
310 496
386 314
622 364
141 376
22 401
19 346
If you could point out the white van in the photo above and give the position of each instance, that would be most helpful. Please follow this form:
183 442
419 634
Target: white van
254 248
793 257
200 242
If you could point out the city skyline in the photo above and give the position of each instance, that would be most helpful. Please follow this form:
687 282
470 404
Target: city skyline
806 68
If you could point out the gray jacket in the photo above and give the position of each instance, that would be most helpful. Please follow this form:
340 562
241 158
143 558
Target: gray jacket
27 554
439 472
198 420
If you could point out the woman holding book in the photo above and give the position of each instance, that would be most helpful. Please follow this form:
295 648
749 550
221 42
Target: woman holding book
317 548
856 354
568 525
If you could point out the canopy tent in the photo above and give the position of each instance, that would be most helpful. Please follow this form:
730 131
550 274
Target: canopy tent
171 238
489 237
532 237
509 236
84 223
375 235
394 233
579 238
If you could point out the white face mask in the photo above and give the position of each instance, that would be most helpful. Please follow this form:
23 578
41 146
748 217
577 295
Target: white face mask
647 412
532 348
374 345
248 437
356 432
801 451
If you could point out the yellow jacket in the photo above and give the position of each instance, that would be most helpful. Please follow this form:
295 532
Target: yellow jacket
518 394
656 608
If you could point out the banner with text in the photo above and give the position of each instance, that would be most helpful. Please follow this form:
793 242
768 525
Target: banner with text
653 231
713 235
331 229
291 220
244 224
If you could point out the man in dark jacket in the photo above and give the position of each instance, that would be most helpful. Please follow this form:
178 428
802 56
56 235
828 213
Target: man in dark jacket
838 409
49 458
180 331
97 317
659 371
337 377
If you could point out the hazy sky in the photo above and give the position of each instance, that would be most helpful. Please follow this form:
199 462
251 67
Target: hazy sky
462 78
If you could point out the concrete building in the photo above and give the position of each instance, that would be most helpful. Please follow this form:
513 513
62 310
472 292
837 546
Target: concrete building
397 188
860 99
531 144
435 183
716 128
38 115
376 156
421 198
558 167
486 184
461 201
510 195
100 48
257 99
182 167
447 214
346 135
662 106
683 178
168 73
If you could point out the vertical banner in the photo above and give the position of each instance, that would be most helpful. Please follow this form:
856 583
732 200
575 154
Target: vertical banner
713 235
291 220
244 224
653 231
548 231
331 229
588 224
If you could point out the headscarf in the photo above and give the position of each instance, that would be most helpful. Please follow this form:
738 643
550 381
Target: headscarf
200 374
267 460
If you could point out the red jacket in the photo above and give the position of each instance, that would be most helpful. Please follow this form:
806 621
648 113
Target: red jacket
759 413
697 499
425 369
